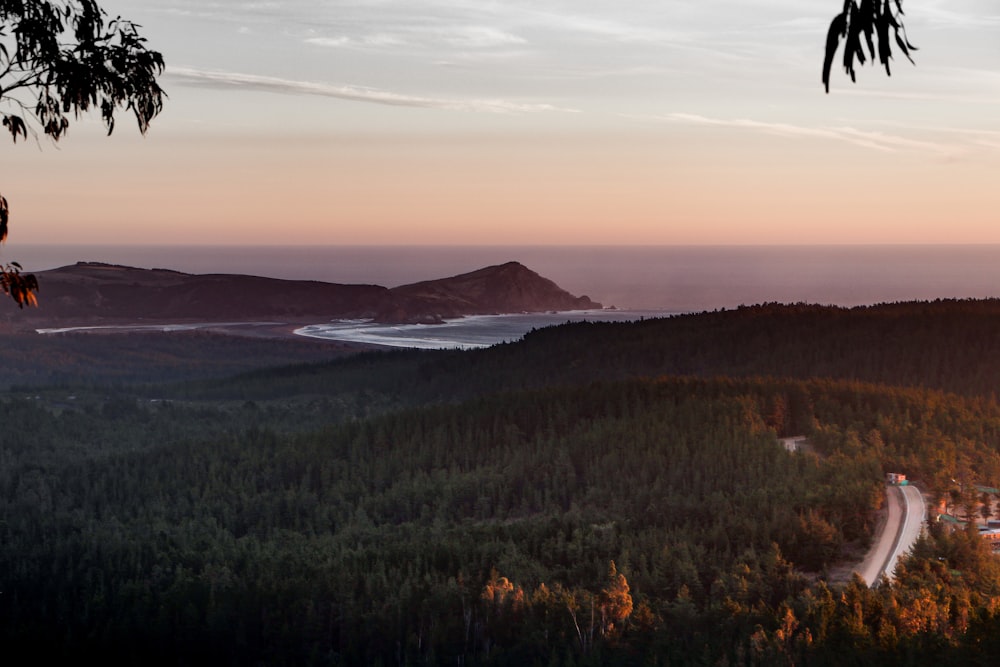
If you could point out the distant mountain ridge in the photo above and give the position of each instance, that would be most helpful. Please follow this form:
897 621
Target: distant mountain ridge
96 293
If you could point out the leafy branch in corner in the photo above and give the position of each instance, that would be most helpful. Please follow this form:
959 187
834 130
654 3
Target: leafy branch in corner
873 20
19 287
63 57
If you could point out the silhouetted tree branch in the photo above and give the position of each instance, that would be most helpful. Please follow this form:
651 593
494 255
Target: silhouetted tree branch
66 57
873 20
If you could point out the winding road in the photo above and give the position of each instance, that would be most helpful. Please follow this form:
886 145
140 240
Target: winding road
907 513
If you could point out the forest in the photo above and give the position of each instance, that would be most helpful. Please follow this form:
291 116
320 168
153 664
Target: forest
596 494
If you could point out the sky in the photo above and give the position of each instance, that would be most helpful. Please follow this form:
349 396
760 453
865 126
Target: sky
584 122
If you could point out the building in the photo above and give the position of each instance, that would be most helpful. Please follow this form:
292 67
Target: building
992 536
793 444
896 479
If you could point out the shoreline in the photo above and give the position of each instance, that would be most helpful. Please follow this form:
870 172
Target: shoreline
256 329
466 332
261 330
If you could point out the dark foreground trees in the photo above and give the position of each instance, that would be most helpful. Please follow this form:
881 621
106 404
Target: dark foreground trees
641 522
63 58
871 20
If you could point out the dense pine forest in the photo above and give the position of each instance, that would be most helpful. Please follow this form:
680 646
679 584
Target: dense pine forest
596 494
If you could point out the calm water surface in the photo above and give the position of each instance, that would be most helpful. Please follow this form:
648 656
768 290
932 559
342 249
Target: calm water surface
464 333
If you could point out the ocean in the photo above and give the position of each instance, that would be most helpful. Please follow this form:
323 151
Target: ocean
464 333
638 281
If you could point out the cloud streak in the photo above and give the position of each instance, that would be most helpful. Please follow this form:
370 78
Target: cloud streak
238 81
972 14
465 37
864 138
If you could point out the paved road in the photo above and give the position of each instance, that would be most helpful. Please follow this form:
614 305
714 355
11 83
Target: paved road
913 523
907 513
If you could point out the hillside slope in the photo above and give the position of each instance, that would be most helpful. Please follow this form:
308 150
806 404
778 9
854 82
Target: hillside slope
953 346
506 288
91 293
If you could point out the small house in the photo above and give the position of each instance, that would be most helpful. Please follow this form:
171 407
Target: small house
793 444
895 479
992 537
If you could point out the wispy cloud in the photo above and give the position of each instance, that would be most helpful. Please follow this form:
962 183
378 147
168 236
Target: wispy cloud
233 80
981 137
463 37
943 13
570 23
479 37
880 141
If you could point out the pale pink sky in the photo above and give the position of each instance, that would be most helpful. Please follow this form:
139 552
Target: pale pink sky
556 122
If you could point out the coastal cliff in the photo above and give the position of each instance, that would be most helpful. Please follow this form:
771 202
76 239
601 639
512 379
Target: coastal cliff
98 293
505 288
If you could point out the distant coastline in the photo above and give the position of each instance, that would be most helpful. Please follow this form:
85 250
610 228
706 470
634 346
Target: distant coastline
171 327
99 295
473 331
672 278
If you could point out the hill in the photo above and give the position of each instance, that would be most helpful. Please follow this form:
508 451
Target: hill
552 501
485 533
952 346
506 288
97 293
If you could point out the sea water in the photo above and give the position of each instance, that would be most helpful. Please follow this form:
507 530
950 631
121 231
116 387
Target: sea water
662 279
465 332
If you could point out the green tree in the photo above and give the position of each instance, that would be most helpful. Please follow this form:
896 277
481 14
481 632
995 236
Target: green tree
65 57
